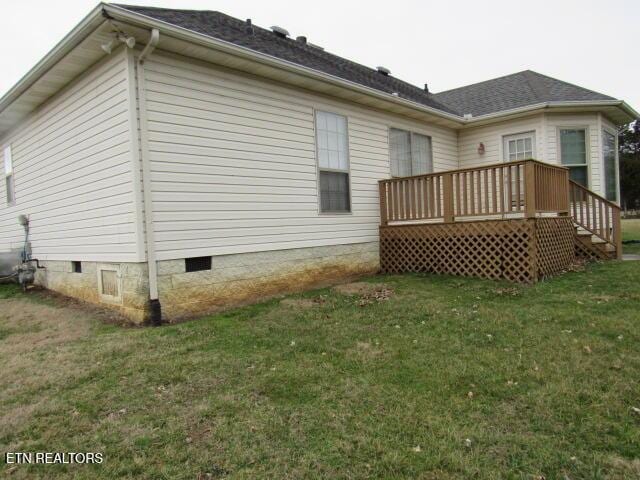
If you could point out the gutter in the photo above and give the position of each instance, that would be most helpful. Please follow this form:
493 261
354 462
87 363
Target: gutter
231 48
563 104
95 17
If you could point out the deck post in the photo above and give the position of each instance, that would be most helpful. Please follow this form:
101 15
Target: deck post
617 232
529 189
383 203
447 197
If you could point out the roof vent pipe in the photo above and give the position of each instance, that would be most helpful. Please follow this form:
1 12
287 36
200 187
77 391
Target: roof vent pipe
302 39
249 26
383 71
279 31
426 87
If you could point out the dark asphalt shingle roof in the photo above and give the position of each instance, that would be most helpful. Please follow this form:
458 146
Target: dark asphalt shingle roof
513 91
504 93
233 30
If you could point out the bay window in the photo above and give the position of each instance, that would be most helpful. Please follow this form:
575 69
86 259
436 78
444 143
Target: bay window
573 154
610 166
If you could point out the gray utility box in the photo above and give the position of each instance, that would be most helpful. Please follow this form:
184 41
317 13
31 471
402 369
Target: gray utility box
8 260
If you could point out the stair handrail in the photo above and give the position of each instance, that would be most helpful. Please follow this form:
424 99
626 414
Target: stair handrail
597 221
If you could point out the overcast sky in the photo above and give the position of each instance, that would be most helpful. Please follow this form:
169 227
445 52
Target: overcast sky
595 44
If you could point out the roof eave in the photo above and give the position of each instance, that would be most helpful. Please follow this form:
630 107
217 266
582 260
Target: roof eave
88 24
122 14
629 112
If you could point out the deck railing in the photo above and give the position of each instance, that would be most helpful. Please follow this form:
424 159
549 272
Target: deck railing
596 215
525 187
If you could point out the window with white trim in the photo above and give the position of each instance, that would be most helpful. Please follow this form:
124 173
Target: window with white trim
8 176
609 153
573 154
332 142
519 147
411 153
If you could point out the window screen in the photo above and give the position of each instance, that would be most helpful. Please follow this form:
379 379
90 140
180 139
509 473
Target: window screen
410 153
573 154
195 264
333 162
334 192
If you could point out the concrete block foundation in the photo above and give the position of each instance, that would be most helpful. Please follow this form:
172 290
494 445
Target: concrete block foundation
233 280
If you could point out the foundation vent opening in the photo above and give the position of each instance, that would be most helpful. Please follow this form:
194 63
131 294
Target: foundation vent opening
196 264
110 283
76 267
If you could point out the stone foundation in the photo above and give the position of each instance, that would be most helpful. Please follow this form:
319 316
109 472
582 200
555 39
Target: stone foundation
245 278
133 283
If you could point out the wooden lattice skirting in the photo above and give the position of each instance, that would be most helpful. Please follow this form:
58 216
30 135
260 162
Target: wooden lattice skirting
519 250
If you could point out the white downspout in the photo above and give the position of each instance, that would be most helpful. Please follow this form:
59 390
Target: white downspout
156 314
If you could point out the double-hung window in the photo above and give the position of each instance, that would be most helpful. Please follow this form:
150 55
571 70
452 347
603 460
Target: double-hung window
8 176
410 153
333 162
573 154
610 165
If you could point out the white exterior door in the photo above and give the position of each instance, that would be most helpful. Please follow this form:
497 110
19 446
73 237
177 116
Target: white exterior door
517 147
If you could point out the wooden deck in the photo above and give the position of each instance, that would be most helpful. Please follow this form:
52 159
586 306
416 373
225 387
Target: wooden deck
521 221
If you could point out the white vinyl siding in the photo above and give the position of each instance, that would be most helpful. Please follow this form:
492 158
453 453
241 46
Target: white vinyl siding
546 145
492 137
72 166
234 168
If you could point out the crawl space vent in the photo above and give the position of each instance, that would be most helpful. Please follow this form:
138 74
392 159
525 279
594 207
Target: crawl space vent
195 264
110 283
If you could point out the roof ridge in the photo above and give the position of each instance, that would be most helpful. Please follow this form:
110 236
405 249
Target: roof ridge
538 74
534 84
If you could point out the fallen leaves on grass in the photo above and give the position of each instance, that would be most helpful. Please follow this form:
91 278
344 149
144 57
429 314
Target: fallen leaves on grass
507 292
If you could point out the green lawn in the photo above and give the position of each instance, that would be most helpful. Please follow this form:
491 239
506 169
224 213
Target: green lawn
631 231
449 378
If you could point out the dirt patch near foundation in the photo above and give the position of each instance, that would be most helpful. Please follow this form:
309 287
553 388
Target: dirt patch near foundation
363 289
43 297
303 302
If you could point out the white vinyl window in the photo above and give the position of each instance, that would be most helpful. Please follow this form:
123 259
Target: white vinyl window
8 176
410 153
332 142
519 147
573 154
609 153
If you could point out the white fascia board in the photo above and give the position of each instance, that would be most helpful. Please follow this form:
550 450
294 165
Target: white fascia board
88 24
497 116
